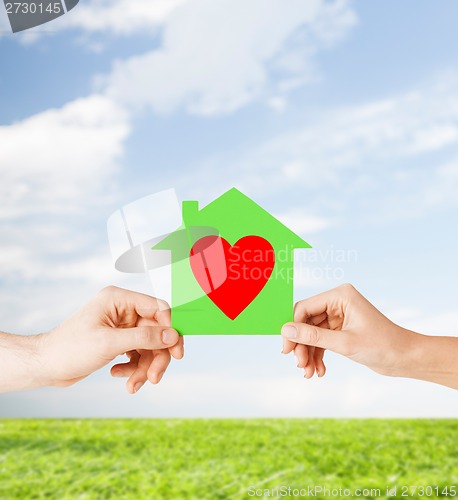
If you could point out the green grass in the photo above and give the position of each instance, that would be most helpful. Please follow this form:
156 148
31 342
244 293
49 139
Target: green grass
218 459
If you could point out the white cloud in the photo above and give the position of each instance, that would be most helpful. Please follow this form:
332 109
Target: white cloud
361 135
395 157
278 103
116 17
214 56
58 188
56 166
119 17
59 158
217 56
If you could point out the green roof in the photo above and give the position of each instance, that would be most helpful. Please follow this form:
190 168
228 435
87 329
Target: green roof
232 214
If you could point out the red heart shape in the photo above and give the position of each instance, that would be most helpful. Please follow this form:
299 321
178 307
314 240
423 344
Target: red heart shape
232 276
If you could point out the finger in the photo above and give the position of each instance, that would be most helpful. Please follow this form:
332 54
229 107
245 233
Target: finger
287 346
302 355
163 315
315 320
319 304
309 369
126 369
139 377
325 324
319 363
144 305
158 366
313 306
122 370
315 336
120 340
177 351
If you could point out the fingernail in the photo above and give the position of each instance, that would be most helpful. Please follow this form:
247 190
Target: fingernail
116 373
169 336
159 377
289 331
138 386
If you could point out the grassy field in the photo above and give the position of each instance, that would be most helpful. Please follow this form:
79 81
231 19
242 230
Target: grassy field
218 459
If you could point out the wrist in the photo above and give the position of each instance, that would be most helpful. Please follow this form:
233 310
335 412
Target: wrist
51 361
412 354
33 356
435 360
20 357
40 360
424 357
402 355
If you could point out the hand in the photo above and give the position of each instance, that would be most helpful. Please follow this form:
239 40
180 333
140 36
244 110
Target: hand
115 322
343 321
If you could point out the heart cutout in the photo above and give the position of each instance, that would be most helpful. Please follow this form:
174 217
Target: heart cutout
232 276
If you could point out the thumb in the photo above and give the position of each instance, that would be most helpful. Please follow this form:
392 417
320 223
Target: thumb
141 337
303 333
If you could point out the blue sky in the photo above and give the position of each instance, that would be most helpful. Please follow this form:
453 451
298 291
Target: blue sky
339 117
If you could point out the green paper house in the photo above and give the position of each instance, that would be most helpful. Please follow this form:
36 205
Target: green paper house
232 216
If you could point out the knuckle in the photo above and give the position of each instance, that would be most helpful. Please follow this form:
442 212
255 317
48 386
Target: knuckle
108 290
347 288
298 305
313 335
142 335
162 304
299 311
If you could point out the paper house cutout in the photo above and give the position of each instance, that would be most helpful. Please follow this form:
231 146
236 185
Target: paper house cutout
234 216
